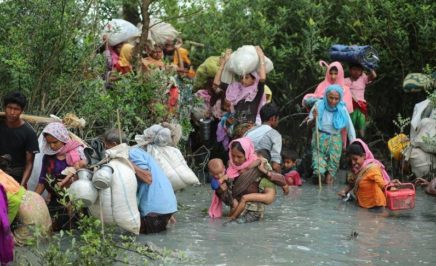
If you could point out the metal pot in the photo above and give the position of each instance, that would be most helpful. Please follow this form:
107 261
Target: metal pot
83 189
102 178
205 128
85 174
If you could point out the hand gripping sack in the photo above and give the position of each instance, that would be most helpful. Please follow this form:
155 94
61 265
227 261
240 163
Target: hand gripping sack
173 164
245 60
119 30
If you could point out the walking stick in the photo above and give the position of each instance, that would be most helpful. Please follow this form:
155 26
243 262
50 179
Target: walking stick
317 147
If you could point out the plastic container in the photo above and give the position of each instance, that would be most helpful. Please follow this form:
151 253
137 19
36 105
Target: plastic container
400 197
397 144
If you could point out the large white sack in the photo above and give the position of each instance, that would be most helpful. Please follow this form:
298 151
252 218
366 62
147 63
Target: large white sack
160 31
120 30
173 164
421 162
245 60
105 196
124 203
416 116
426 130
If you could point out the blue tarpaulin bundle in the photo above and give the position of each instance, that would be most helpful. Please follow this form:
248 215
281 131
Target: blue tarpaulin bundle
364 55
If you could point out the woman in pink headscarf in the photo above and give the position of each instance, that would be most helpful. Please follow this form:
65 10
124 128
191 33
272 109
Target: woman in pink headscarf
333 75
368 177
246 96
62 156
250 188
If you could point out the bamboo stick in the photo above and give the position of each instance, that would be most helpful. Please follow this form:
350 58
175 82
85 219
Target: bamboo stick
35 119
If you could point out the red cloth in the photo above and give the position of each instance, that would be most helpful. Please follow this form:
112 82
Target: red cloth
293 178
121 69
362 106
173 98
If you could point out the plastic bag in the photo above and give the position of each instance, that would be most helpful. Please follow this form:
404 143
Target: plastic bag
120 30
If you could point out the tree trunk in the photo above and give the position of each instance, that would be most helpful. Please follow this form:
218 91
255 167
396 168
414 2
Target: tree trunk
144 35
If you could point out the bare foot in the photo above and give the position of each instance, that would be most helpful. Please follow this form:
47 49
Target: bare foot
172 220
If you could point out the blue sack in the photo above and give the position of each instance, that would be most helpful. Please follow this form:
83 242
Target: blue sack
364 55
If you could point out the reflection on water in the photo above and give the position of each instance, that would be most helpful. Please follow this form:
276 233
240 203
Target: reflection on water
306 227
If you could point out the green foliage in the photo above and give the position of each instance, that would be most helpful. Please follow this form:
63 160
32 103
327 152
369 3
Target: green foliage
401 123
93 243
297 34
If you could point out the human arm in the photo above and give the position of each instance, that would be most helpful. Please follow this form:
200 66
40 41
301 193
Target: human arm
143 175
276 148
372 75
275 177
223 61
40 188
267 197
262 70
431 187
343 192
139 158
351 132
66 181
27 168
313 114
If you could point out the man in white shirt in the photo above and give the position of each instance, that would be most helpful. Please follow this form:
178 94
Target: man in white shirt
266 137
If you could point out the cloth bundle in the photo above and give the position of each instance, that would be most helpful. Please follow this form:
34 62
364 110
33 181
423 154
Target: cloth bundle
243 61
120 30
366 55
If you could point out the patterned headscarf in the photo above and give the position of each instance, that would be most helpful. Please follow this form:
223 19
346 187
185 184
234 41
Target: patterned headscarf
60 132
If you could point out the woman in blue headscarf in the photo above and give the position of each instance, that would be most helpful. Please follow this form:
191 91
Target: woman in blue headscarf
331 117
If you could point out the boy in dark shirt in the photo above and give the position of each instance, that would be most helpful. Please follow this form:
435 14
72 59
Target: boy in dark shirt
18 139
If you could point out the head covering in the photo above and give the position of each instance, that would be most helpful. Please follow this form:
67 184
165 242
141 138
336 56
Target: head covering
340 116
156 134
268 92
126 55
60 132
369 158
236 92
340 80
250 157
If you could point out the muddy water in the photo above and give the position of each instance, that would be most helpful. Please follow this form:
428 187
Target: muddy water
306 227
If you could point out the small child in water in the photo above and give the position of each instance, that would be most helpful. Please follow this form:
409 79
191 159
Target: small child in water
220 182
290 172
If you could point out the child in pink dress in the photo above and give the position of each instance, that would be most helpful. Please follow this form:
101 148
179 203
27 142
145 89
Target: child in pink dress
357 82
